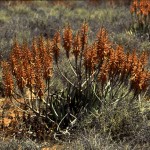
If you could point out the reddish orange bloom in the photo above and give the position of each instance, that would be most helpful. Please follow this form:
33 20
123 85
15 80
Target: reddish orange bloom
76 45
144 59
56 46
141 9
103 44
27 55
34 47
103 76
84 35
8 79
39 82
30 76
47 67
139 76
49 47
32 68
67 40
139 80
16 49
90 58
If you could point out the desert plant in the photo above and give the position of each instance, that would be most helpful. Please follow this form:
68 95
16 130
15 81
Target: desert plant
99 72
140 16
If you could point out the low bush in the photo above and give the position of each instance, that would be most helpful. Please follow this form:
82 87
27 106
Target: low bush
101 77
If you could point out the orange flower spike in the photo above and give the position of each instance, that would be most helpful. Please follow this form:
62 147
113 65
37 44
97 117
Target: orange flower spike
21 77
103 44
48 67
76 45
128 64
120 53
56 53
144 58
16 49
41 47
144 6
30 76
48 73
100 45
9 84
141 4
7 78
140 80
56 46
113 62
90 58
148 9
135 4
94 54
13 63
67 40
57 39
49 64
22 72
134 58
34 47
30 56
84 35
103 76
27 55
144 80
121 57
39 82
49 47
38 65
132 9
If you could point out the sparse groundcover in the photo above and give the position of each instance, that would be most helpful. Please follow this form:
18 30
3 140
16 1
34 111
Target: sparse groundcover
18 144
73 75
